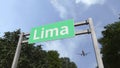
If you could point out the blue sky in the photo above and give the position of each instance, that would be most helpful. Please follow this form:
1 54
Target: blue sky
26 14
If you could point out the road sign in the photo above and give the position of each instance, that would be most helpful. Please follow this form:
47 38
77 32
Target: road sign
58 30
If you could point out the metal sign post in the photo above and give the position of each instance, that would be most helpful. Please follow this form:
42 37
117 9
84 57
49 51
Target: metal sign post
17 53
94 39
96 48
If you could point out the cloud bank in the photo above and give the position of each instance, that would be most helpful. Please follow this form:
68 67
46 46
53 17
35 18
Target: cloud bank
73 8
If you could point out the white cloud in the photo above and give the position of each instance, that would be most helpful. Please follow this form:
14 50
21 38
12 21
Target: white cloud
114 11
61 9
73 8
65 8
62 46
90 2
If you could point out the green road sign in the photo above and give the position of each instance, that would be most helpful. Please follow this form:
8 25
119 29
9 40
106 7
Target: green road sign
58 30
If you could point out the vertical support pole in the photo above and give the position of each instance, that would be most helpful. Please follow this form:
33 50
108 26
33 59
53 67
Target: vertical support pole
17 53
96 48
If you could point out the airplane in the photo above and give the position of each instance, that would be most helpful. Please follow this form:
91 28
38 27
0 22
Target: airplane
83 53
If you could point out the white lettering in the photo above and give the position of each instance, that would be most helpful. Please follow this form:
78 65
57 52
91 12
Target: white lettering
52 32
42 33
35 37
64 30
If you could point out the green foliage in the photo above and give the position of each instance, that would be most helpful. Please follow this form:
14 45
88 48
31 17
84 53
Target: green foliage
111 45
31 56
7 48
67 64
